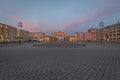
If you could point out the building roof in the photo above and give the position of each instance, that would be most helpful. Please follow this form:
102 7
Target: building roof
8 25
113 25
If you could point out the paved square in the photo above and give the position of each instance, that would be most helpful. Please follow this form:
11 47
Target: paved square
26 62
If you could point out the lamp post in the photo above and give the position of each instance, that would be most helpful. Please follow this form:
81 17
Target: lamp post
101 25
19 34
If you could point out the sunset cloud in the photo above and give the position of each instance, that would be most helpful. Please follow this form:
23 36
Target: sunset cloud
69 23
27 25
74 16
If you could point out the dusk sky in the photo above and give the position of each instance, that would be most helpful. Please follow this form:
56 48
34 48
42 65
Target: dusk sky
53 15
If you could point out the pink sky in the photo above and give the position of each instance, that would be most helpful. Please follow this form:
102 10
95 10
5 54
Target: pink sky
36 26
69 23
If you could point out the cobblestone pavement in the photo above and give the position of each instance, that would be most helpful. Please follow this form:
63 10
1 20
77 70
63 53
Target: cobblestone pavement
60 45
94 62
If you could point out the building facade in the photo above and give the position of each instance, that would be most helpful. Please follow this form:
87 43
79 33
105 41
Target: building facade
92 34
36 36
80 36
114 33
25 35
59 36
7 33
47 39
89 36
109 34
99 35
10 34
72 39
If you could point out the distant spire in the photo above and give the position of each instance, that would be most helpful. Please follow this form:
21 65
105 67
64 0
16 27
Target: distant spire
20 24
101 24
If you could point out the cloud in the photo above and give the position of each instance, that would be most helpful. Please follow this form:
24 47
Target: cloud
13 19
35 26
70 23
27 25
48 27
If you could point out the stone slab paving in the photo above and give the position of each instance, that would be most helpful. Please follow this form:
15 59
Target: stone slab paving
94 62
60 45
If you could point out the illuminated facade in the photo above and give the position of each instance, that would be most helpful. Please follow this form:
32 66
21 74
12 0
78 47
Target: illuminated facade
47 39
1 33
72 39
86 36
114 33
59 37
36 36
24 34
79 36
13 34
109 34
92 34
9 34
99 35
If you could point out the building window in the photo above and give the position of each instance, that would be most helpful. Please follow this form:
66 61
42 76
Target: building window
7 33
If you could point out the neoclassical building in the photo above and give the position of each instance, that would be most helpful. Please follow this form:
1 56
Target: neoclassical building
59 37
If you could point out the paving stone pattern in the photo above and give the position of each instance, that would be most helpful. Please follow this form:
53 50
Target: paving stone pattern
60 45
95 62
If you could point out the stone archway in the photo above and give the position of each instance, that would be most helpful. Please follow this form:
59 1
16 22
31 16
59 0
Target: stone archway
59 36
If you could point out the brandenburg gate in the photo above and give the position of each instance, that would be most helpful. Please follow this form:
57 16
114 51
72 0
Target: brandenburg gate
59 36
